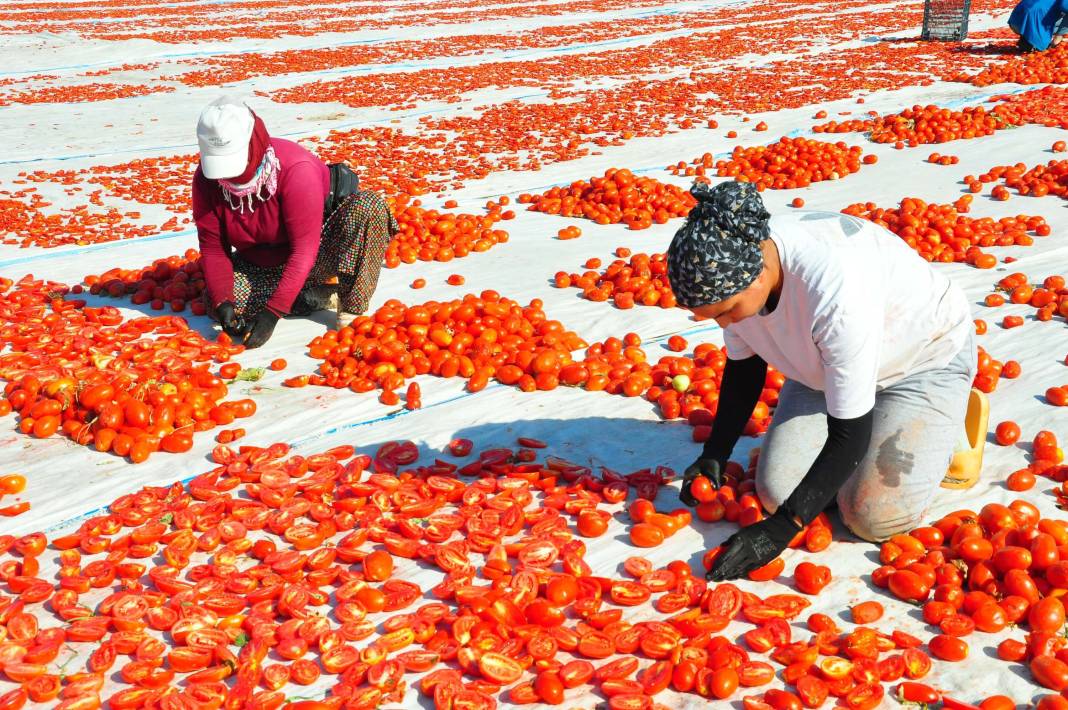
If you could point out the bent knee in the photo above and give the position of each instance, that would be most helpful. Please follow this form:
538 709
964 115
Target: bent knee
773 491
877 523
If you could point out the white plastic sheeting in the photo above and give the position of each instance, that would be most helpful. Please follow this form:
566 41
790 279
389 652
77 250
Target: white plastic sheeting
68 483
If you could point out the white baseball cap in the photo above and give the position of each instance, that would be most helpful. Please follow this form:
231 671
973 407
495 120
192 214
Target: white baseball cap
223 132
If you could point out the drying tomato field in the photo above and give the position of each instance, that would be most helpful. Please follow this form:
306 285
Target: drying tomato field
468 499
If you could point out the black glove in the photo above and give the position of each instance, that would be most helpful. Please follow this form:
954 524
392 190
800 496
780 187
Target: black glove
754 546
232 324
710 468
743 380
260 329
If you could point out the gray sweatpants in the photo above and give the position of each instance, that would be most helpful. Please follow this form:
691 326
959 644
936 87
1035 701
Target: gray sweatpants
917 424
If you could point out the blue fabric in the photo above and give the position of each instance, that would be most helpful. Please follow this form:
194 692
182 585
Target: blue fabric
1036 20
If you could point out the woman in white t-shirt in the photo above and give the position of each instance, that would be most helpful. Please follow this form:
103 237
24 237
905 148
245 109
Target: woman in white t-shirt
877 348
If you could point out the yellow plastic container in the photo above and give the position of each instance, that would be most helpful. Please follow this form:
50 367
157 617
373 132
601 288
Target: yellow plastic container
967 461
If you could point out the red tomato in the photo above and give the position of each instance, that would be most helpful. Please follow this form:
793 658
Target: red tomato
1007 433
1047 615
867 612
810 578
1050 672
948 648
724 682
499 668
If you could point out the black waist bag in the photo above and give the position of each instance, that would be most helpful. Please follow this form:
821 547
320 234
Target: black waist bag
343 182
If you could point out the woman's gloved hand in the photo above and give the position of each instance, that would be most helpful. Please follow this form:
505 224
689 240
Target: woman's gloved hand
232 324
705 466
754 546
261 328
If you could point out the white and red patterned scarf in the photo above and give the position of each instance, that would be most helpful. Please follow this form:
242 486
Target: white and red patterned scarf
261 187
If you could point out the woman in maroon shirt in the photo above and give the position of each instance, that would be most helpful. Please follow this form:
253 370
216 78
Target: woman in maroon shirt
276 224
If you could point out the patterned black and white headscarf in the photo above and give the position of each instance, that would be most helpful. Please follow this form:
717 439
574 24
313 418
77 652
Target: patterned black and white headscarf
716 253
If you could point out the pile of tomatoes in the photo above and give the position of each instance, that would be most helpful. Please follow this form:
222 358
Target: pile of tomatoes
921 125
429 235
736 502
942 233
176 281
131 387
1039 181
1048 67
640 281
790 163
619 196
987 571
487 337
478 337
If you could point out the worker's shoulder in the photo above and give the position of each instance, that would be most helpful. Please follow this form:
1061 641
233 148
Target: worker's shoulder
822 235
824 250
290 153
818 223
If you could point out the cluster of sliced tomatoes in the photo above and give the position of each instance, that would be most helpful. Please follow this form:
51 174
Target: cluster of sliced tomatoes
471 147
199 23
944 234
216 592
1039 181
78 93
921 125
618 196
131 387
161 181
513 135
1003 566
1046 106
228 68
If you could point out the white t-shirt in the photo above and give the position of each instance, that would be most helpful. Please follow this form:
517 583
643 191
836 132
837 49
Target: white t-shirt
859 311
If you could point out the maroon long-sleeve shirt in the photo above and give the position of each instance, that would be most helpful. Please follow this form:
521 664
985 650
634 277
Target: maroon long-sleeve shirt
283 230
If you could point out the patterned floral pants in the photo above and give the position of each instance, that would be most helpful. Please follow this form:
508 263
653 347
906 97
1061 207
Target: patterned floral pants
352 247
